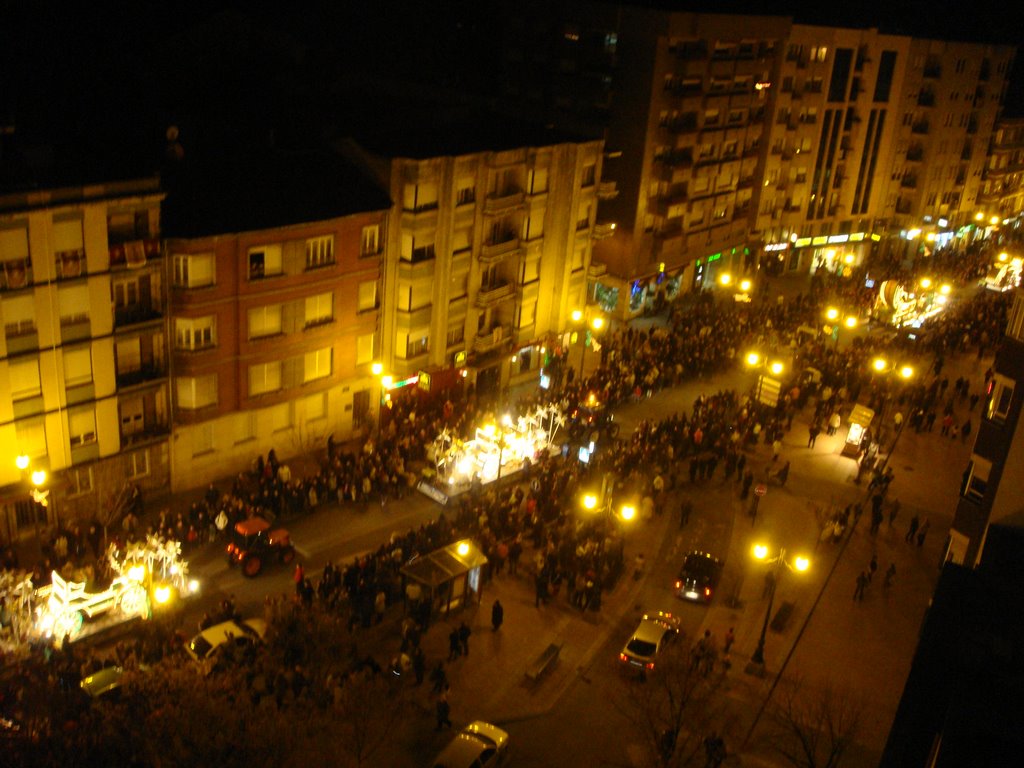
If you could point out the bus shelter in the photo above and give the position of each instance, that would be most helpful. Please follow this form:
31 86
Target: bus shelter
445 579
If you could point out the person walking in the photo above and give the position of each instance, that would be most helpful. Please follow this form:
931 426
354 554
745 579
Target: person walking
915 523
894 510
872 567
443 711
921 534
419 664
812 434
497 615
439 678
454 645
862 584
730 638
685 508
464 633
890 574
833 423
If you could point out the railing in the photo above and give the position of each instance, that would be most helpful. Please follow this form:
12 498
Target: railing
495 292
503 202
140 375
136 313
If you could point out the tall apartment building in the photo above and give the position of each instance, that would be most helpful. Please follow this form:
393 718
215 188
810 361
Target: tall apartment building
84 388
737 139
487 250
993 482
275 263
1002 190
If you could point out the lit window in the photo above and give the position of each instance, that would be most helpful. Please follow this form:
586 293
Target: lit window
319 309
317 364
315 406
976 476
77 366
24 377
196 391
1000 398
367 296
138 464
370 243
194 270
264 321
319 251
82 427
264 261
365 346
194 332
264 377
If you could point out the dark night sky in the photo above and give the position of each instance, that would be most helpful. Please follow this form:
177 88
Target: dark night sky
119 67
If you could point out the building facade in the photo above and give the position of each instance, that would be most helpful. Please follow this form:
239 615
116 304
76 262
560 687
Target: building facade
993 483
275 306
84 382
733 140
1002 188
486 259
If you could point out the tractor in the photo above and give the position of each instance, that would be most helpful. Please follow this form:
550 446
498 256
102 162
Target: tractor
254 542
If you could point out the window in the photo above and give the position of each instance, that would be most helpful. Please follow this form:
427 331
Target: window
126 293
133 416
128 355
976 476
589 174
264 377
537 181
370 241
319 309
1000 398
79 481
527 315
367 296
578 255
317 364
529 271
202 439
19 315
456 335
319 251
315 406
74 304
15 263
137 464
244 427
420 197
465 191
583 218
417 249
195 332
30 435
24 378
193 270
417 344
264 261
82 427
264 321
196 391
365 348
77 366
461 240
68 247
280 417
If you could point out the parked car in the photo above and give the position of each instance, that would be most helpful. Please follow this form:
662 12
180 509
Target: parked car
698 577
209 644
254 543
656 630
478 745
104 683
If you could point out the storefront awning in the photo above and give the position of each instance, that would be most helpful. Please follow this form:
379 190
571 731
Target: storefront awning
445 564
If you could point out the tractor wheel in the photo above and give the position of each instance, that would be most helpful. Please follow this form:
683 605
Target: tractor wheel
287 554
252 565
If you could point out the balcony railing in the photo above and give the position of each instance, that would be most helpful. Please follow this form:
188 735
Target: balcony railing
135 313
492 338
503 202
495 292
133 253
145 433
607 190
491 252
16 273
919 127
141 375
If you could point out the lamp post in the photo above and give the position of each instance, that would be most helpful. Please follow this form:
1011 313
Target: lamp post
768 387
837 318
385 382
39 494
800 564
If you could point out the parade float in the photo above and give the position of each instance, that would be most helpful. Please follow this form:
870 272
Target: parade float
144 575
909 306
496 450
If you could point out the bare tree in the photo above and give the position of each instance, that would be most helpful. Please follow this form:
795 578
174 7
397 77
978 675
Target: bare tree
812 728
672 708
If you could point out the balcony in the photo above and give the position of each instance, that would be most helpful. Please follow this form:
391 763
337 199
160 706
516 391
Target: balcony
607 190
603 230
920 127
492 253
691 51
683 90
903 206
926 99
143 374
492 338
504 202
683 124
133 253
933 71
676 158
133 314
915 154
70 264
972 126
420 270
16 273
147 431
909 182
494 293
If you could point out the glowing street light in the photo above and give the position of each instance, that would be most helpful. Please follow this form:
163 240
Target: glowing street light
831 313
38 476
906 372
377 368
979 216
462 548
945 289
800 564
926 282
22 462
850 322
753 358
577 315
880 364
745 286
589 502
725 278
628 512
776 367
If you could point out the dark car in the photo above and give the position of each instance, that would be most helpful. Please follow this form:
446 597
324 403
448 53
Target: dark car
698 578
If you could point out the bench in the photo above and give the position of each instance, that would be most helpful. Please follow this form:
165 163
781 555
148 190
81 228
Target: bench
543 662
782 616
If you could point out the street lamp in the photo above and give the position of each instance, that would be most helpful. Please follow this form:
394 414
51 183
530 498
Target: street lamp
799 564
768 387
596 324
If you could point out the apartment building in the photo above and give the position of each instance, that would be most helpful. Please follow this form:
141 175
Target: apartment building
993 483
733 140
1002 188
488 246
84 387
275 265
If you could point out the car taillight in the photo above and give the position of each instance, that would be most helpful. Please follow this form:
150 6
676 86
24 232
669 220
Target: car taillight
679 585
649 665
623 657
707 591
231 548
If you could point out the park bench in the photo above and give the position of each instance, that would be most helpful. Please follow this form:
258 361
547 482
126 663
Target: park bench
543 662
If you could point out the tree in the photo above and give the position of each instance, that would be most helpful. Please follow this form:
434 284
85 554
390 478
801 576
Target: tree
812 728
672 707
